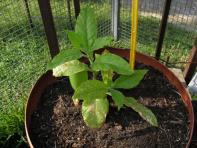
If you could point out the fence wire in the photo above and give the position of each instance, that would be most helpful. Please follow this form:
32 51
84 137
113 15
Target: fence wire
64 18
148 25
181 32
23 57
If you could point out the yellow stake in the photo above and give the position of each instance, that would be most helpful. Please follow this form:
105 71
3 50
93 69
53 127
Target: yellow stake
134 28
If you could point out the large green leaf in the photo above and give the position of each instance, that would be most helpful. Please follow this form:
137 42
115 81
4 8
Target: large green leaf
143 111
69 68
90 90
101 42
64 56
130 81
86 27
118 97
76 40
94 112
78 78
113 62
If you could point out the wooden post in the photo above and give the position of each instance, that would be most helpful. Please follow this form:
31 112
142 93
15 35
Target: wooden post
47 18
190 68
163 28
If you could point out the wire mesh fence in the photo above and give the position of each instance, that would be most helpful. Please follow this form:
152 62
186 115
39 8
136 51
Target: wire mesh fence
64 18
180 33
24 51
148 26
23 56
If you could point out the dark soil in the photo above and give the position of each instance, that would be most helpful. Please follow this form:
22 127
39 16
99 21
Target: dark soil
194 138
58 123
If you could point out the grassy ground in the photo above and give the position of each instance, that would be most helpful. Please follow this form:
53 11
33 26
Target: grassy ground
21 64
24 52
194 98
177 43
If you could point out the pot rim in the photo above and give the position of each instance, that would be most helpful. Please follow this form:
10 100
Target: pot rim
47 79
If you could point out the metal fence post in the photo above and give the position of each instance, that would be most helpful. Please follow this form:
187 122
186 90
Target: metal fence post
69 14
115 18
163 28
190 68
47 18
28 13
77 7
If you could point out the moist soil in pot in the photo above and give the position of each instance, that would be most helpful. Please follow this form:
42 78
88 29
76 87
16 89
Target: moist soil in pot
58 123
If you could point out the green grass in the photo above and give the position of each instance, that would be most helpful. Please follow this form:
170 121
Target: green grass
194 98
177 43
24 52
21 64
24 55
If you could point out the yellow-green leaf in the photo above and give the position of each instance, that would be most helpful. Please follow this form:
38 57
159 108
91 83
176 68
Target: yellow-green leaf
76 40
86 27
118 97
101 42
78 78
94 112
142 110
113 62
69 68
64 56
91 89
130 81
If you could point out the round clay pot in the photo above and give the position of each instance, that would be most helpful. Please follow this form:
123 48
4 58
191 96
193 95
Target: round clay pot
47 79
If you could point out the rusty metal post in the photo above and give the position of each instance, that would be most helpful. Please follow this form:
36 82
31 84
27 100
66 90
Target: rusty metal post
69 14
77 7
190 68
28 13
163 28
47 18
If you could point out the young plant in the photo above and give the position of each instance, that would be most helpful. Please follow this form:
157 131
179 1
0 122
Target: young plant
93 92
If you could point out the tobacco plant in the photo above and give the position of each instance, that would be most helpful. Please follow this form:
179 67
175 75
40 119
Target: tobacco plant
93 92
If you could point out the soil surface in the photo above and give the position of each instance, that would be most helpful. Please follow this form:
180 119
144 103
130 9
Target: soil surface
194 138
58 123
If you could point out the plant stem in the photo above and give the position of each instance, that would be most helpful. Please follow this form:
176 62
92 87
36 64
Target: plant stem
94 76
91 60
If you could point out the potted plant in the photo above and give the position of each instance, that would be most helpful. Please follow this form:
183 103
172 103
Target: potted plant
92 104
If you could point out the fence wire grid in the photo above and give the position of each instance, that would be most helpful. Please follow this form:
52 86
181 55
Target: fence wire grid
23 57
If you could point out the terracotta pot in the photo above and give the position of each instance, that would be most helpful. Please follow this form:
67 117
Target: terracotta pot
48 79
